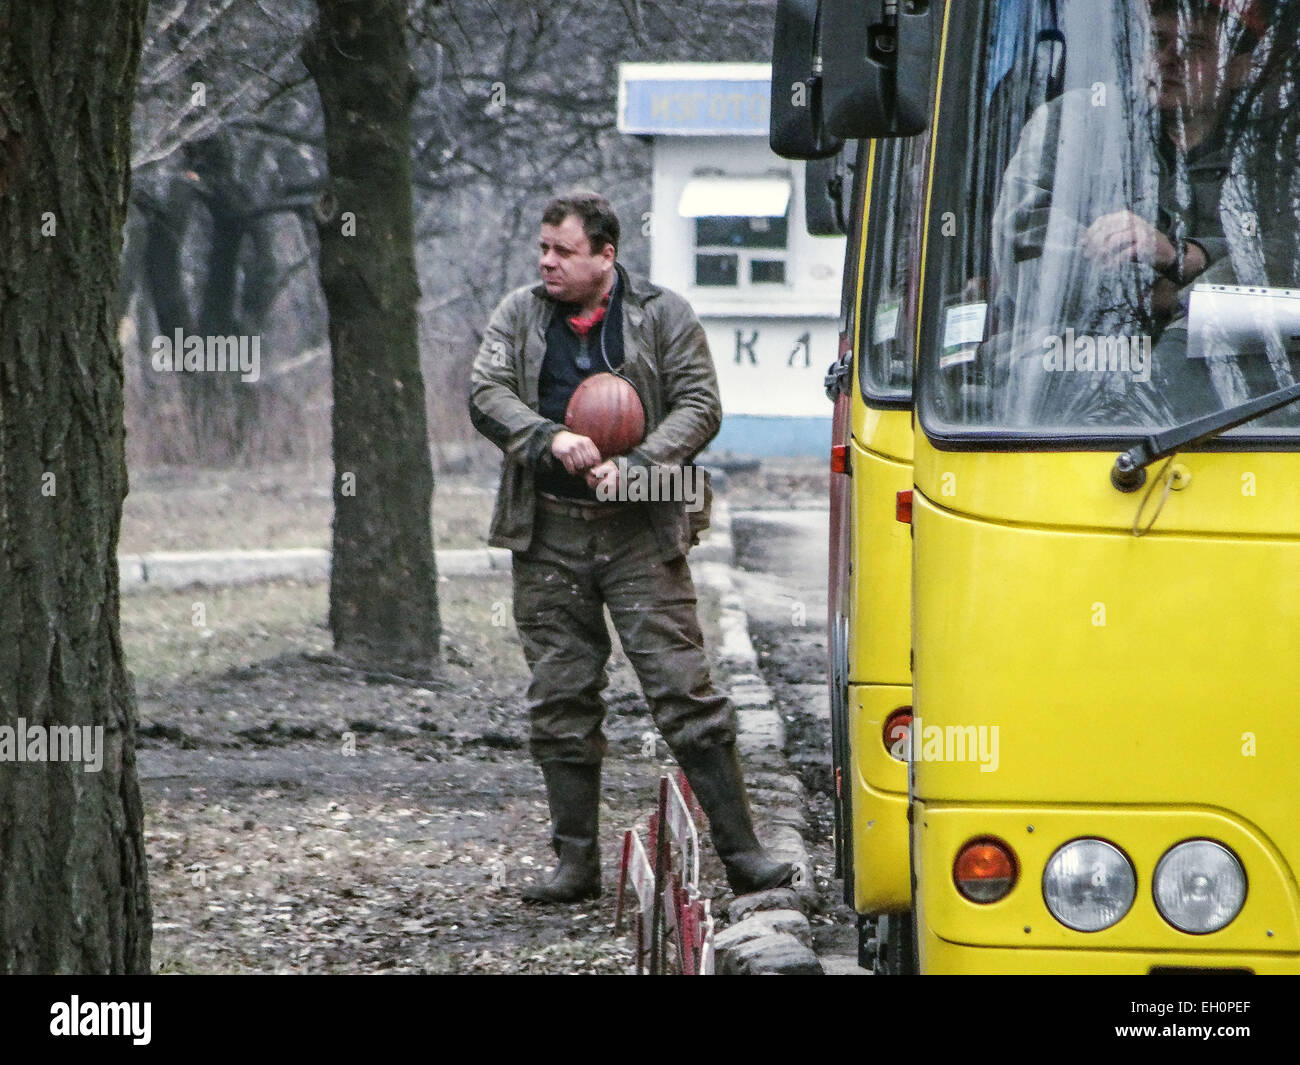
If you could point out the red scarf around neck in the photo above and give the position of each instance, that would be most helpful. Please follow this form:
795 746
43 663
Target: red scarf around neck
582 326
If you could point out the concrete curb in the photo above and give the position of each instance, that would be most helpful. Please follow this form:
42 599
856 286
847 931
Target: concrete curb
180 569
769 932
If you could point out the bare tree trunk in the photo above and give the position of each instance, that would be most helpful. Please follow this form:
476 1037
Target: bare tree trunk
383 585
73 881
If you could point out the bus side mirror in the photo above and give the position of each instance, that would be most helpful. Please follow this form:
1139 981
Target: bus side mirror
818 200
827 190
797 131
877 69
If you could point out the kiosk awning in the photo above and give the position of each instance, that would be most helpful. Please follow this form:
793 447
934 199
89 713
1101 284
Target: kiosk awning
723 197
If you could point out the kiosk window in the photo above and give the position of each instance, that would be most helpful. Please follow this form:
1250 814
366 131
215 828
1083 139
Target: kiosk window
742 229
741 232
767 272
717 270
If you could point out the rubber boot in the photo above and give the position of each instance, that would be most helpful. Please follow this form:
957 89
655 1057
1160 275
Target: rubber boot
573 791
718 780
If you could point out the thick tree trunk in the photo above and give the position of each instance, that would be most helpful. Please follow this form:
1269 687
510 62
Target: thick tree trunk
383 586
73 889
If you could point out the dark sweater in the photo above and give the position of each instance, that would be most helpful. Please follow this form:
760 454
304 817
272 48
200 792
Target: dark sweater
569 360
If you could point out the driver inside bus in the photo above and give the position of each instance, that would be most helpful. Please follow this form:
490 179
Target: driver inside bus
1195 80
1112 247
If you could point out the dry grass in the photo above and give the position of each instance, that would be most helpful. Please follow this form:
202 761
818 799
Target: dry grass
196 509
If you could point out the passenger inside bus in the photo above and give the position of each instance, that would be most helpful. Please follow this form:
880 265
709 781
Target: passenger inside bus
1128 195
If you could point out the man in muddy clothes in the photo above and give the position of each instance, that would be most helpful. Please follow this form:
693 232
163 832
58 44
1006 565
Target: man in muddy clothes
575 554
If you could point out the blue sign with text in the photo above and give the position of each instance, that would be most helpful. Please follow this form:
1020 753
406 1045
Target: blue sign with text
699 107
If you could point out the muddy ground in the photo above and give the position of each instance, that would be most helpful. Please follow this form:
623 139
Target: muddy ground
303 816
307 817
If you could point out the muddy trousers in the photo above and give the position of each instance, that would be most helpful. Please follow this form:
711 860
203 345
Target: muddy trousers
574 569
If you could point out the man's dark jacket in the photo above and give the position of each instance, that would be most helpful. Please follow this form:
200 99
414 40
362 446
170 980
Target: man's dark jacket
665 357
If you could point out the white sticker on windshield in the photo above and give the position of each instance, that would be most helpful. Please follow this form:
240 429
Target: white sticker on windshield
965 325
885 328
1236 320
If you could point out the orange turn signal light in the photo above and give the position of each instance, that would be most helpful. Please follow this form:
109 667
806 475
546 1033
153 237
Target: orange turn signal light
985 870
903 508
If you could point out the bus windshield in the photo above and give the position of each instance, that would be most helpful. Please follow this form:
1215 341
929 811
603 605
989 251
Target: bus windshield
1114 241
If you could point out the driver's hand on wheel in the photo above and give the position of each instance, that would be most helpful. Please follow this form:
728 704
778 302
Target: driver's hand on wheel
1123 237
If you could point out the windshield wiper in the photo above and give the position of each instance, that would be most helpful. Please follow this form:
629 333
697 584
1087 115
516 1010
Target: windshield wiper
1129 472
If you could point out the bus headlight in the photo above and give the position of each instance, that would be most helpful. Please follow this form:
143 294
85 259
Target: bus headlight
1089 885
1199 886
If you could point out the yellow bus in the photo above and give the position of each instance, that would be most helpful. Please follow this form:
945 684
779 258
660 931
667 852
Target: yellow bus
870 578
1106 517
869 601
1107 510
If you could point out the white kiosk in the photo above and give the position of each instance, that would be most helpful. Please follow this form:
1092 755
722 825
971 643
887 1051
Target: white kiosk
728 233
